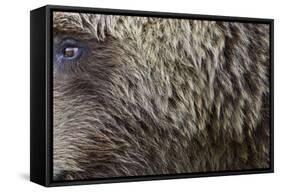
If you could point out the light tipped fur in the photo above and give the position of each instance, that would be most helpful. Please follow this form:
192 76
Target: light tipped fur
161 96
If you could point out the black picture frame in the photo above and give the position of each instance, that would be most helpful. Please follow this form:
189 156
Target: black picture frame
41 100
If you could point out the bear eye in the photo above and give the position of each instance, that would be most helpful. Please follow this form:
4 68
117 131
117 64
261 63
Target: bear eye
68 54
68 51
71 52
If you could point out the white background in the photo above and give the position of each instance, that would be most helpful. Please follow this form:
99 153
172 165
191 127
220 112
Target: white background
14 94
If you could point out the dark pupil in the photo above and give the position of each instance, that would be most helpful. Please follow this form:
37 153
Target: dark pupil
70 51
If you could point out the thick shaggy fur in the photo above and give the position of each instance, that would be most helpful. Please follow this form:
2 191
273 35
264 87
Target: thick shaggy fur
160 96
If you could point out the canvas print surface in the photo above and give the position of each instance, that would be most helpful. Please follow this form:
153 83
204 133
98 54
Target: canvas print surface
138 96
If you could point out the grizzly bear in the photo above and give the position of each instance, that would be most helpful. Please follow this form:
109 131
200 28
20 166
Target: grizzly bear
136 96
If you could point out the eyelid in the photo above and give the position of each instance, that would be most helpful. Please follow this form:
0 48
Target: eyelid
70 42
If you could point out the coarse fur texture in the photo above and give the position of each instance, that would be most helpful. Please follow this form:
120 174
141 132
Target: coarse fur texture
157 96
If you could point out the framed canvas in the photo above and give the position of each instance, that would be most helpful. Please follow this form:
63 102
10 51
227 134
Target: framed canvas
119 95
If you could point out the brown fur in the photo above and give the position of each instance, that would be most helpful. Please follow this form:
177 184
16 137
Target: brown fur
160 96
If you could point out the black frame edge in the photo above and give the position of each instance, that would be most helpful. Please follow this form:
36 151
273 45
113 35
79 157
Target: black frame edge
272 95
128 12
49 97
38 139
159 177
